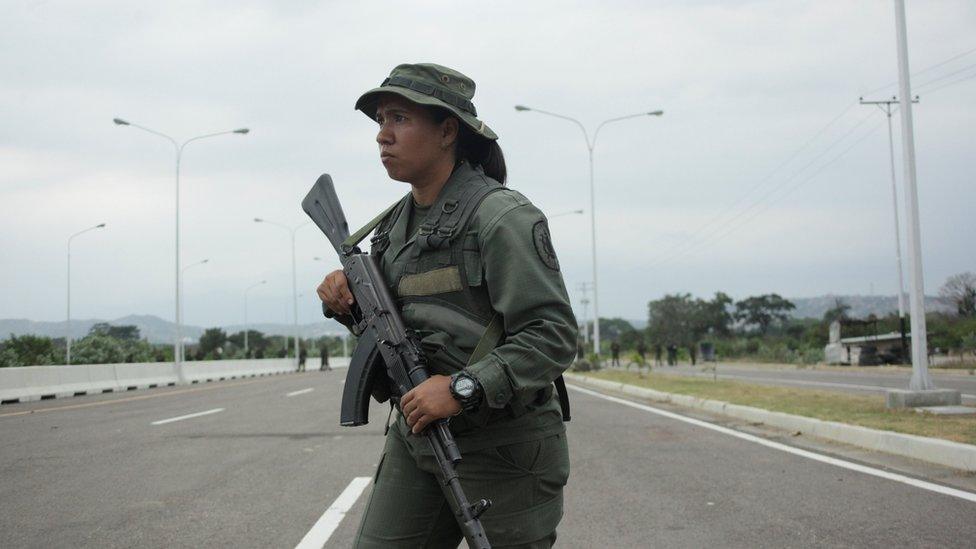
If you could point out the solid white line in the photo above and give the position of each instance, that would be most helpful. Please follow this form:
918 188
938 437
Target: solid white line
301 392
329 521
969 496
188 416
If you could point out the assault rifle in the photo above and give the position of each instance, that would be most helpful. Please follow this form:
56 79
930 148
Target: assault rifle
386 344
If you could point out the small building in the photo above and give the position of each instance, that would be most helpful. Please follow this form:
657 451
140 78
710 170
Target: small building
869 350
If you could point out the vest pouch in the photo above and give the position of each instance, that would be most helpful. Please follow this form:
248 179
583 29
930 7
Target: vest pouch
443 357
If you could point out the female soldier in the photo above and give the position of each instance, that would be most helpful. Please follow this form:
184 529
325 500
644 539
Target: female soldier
469 261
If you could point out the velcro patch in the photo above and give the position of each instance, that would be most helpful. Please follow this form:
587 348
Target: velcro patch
438 281
543 245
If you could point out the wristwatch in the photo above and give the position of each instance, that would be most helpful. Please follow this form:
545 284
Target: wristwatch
466 390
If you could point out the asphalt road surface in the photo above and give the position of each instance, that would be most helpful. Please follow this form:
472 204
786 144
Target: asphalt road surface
861 380
264 463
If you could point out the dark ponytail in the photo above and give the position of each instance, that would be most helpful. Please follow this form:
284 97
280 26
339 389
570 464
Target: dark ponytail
476 150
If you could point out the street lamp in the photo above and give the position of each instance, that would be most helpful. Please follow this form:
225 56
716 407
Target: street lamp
590 145
249 288
70 238
182 305
294 276
179 154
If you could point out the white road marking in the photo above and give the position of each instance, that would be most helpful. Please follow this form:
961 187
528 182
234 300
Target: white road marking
932 487
301 392
188 416
329 521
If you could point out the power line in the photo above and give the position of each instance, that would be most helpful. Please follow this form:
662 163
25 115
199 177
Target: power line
705 244
758 185
923 71
718 229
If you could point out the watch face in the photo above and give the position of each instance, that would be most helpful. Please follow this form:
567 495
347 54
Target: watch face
464 386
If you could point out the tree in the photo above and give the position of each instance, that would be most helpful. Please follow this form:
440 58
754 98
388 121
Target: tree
98 349
763 310
29 350
837 312
714 316
960 290
673 320
211 340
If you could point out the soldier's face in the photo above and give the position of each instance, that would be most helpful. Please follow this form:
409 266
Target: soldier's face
411 143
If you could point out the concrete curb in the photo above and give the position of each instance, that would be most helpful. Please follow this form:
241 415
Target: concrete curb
933 450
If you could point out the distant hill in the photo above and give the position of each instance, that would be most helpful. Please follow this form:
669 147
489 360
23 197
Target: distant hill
157 330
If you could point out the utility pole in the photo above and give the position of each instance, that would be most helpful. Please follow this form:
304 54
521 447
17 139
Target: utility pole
585 287
921 390
886 106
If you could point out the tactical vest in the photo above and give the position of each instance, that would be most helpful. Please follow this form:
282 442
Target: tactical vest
443 270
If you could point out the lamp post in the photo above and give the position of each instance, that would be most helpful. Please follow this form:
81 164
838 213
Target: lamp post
182 304
178 147
70 238
590 145
294 276
248 289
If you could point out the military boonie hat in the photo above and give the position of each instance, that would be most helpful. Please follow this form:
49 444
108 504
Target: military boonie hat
433 85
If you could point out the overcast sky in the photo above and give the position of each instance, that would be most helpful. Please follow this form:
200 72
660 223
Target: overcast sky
744 185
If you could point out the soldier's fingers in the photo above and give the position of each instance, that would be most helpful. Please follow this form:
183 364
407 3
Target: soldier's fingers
344 292
422 423
340 305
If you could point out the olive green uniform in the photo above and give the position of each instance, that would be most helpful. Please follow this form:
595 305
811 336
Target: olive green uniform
513 446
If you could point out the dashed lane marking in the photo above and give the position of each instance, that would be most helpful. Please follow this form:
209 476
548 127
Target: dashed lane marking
188 416
300 392
324 527
930 486
130 399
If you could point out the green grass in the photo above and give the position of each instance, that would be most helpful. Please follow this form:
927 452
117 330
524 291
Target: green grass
867 411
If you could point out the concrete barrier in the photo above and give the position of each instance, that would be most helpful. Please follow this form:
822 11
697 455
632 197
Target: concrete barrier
40 382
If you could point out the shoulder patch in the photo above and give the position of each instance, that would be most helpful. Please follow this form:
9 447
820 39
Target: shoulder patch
543 245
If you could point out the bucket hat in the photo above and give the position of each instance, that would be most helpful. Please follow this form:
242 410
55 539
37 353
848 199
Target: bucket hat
432 85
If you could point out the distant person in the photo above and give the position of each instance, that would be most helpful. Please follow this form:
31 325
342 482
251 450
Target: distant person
672 354
580 350
324 357
302 357
615 354
693 352
657 354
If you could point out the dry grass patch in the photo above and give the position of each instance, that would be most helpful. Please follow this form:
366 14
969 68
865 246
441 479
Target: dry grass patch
867 411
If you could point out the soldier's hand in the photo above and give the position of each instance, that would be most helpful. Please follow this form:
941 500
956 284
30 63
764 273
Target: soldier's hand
429 401
334 292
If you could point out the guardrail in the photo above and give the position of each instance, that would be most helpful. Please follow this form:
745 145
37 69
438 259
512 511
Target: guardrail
21 384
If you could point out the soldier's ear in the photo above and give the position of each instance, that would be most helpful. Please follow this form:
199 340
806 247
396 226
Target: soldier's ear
449 132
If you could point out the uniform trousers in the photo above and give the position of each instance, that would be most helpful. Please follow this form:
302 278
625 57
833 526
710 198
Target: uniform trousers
408 506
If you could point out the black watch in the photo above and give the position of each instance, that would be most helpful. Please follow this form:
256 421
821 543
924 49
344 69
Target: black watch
466 390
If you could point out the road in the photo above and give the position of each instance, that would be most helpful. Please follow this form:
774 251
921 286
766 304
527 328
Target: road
860 380
263 463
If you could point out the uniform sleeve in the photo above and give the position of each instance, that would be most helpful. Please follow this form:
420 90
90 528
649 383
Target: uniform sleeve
526 287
